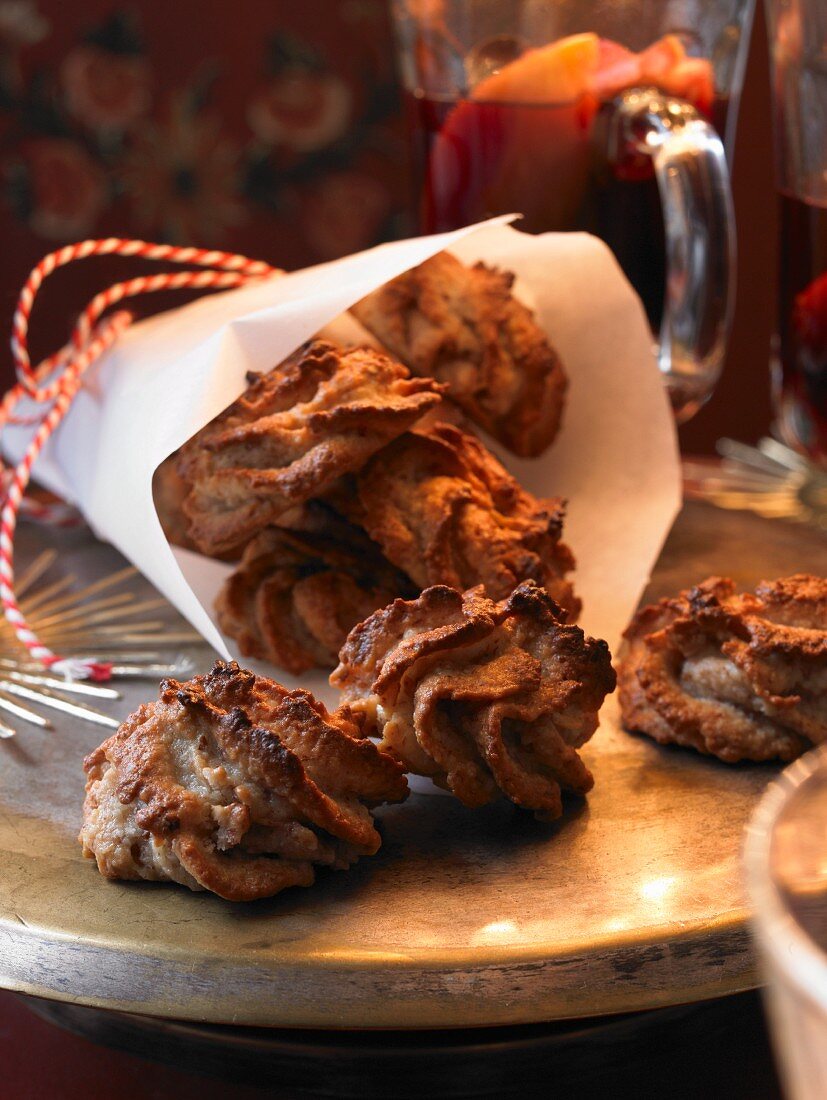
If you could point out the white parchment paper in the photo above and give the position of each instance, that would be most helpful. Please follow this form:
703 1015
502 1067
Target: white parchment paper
616 459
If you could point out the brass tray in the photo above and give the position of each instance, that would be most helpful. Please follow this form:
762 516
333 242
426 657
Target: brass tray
464 919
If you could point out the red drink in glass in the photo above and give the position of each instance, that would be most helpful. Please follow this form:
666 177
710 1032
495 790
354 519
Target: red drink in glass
603 118
800 368
549 162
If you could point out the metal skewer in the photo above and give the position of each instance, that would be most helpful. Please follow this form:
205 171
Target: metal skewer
49 699
36 569
77 596
27 715
67 612
770 479
73 687
36 602
135 664
143 658
73 622
140 672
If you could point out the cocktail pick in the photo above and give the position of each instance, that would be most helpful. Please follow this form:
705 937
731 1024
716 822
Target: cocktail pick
81 620
770 479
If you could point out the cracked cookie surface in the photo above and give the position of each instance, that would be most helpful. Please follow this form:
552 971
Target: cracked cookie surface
231 783
485 698
463 326
740 676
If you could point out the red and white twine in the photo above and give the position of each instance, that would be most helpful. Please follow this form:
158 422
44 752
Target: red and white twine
56 380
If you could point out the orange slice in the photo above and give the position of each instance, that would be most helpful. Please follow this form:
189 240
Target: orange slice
692 80
558 73
657 60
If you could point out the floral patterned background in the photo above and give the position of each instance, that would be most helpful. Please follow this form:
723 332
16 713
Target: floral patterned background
269 127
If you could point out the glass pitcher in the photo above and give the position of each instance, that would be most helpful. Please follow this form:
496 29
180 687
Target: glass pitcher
610 116
798 36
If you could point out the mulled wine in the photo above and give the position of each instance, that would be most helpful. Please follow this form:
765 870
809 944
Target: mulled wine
800 368
533 137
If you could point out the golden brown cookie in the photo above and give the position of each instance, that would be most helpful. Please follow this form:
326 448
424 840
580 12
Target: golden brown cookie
169 490
319 415
737 676
485 698
296 594
444 510
233 784
463 326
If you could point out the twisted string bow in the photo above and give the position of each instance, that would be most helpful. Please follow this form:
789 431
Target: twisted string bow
54 383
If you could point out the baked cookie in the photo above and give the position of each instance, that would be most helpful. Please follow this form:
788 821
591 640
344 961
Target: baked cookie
233 784
295 594
737 676
444 511
319 415
463 326
169 491
485 698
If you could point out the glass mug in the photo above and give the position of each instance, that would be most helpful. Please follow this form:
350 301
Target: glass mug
786 868
798 30
609 117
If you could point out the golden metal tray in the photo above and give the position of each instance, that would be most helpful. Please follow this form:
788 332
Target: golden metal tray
632 901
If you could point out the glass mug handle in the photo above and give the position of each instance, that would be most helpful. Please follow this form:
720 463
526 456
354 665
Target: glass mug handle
693 180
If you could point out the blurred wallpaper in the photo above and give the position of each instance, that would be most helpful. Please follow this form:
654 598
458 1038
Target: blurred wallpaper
268 127
263 127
